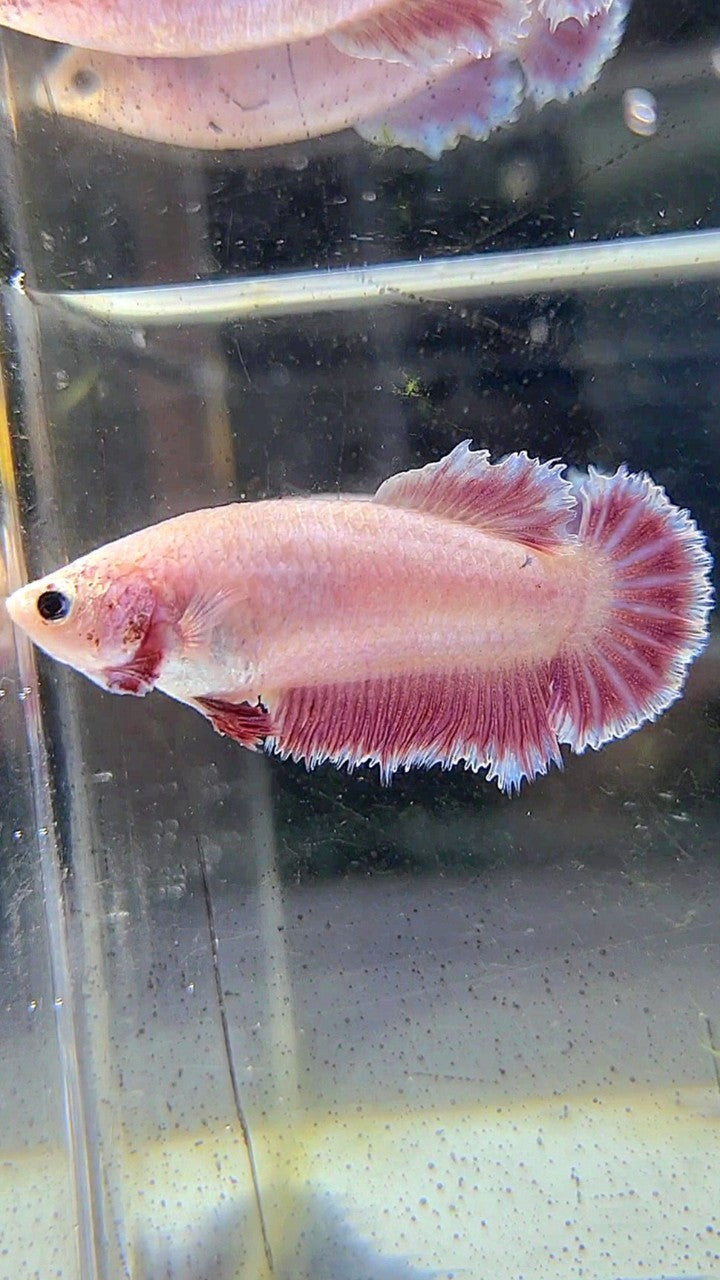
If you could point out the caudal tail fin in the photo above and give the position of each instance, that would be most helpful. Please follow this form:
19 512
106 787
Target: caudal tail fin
636 665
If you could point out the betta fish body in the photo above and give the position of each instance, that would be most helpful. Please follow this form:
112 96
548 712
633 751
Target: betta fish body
419 32
469 611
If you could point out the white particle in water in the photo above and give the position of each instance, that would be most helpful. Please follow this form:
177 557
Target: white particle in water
539 331
32 1006
102 775
62 379
640 112
18 834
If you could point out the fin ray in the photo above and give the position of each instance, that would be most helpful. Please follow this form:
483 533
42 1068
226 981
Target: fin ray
564 57
658 618
499 722
430 33
519 499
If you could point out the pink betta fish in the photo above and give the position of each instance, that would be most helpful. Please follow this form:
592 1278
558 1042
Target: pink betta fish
419 32
310 88
469 611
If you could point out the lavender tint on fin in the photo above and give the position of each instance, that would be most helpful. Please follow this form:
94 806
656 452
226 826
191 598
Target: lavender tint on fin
559 62
430 33
470 102
519 498
557 11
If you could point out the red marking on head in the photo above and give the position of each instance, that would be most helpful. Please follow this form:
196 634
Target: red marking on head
139 674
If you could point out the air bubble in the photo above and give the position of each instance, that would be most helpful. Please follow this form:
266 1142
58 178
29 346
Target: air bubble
32 1006
640 112
18 834
62 379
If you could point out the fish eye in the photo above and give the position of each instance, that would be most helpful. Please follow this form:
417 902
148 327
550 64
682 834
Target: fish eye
53 606
85 81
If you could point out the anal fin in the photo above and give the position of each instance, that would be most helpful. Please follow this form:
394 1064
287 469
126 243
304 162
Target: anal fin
497 721
428 33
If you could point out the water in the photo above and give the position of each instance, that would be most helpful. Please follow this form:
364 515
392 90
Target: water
263 1022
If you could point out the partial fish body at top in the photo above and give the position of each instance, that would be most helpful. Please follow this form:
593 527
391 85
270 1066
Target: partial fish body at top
311 87
469 612
423 32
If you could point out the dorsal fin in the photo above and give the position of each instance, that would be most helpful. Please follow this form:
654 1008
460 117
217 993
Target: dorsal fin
519 498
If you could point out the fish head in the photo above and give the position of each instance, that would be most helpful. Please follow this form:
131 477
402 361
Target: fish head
73 83
105 621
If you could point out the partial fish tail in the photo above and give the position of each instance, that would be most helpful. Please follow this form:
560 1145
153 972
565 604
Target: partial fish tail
636 665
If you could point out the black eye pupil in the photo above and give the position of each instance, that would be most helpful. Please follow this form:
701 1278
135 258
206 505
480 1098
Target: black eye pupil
53 606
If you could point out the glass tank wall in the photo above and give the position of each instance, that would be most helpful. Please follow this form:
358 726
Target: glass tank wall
260 1021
